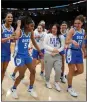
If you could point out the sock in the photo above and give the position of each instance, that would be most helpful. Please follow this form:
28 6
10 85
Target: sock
31 87
69 86
41 72
14 87
13 74
61 74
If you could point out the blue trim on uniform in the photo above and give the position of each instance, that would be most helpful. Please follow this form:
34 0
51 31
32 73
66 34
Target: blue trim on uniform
35 54
20 60
74 56
5 58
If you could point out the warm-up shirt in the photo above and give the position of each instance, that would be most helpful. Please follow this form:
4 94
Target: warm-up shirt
51 41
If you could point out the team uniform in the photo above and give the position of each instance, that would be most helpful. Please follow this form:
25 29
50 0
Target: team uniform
21 55
64 34
5 47
74 54
39 41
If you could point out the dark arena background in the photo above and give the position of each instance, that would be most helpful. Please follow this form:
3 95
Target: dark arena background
50 11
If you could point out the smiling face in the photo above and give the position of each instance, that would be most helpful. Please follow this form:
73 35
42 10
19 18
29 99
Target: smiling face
54 30
9 19
39 28
63 26
78 24
30 27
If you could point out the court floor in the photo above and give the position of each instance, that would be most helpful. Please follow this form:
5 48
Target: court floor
44 94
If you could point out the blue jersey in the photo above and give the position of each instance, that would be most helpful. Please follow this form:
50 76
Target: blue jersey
22 43
79 38
5 47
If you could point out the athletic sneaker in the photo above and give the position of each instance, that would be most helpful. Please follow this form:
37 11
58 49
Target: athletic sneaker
32 92
42 74
48 85
12 77
72 92
57 87
14 93
63 79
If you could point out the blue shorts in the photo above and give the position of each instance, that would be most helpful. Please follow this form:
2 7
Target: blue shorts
5 58
62 52
35 54
20 60
85 41
74 56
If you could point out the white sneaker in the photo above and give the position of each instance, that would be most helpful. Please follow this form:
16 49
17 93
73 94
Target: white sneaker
14 93
12 77
63 79
72 92
57 87
48 85
32 92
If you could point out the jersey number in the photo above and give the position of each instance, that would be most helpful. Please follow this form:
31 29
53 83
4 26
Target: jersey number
25 45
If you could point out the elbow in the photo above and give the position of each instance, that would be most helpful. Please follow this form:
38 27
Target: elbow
2 41
16 38
66 42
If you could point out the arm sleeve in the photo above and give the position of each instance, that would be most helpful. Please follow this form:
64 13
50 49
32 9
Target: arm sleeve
62 39
46 46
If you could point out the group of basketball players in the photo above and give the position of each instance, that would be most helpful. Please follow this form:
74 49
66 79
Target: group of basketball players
50 49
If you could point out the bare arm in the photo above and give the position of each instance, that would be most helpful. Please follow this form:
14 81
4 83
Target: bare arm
83 46
69 36
18 30
5 39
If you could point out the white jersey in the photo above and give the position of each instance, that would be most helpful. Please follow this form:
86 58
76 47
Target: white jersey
40 40
51 42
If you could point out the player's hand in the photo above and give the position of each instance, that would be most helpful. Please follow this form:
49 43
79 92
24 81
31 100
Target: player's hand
11 37
85 55
38 36
53 54
66 46
55 51
19 23
75 43
41 54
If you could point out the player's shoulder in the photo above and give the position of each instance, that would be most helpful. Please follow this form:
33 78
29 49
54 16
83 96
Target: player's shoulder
35 32
49 35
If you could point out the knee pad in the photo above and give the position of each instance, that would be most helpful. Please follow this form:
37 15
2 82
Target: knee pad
21 77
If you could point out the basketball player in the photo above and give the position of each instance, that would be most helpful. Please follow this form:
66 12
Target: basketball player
53 44
64 33
22 56
74 56
39 38
42 22
6 37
